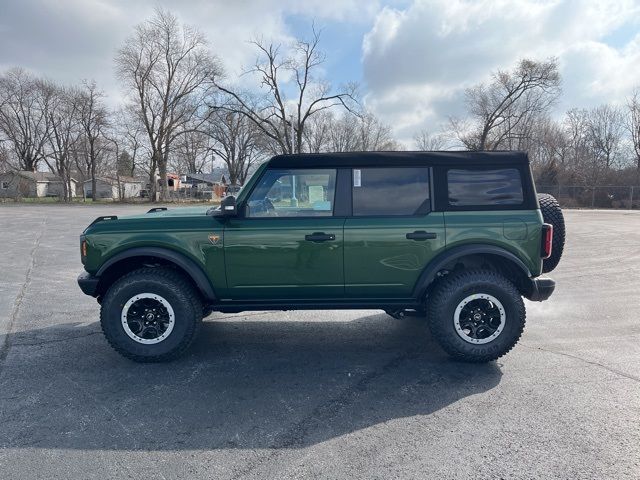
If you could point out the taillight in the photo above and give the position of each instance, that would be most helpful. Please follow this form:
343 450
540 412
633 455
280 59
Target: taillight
547 240
83 247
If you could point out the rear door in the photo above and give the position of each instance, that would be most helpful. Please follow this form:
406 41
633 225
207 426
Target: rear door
288 241
392 233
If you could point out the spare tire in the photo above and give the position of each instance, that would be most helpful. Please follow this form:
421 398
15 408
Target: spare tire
552 213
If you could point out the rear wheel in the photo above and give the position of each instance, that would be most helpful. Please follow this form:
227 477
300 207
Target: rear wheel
476 315
151 315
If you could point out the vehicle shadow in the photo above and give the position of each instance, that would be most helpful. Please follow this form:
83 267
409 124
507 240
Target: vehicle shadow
247 383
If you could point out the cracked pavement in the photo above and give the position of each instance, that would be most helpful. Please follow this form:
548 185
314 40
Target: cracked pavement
318 394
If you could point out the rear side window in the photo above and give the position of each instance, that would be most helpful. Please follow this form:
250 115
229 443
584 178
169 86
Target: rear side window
483 187
391 191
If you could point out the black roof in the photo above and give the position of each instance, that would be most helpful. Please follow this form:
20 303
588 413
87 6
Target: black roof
350 159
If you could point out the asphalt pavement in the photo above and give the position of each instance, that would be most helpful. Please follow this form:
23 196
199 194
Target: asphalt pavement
318 394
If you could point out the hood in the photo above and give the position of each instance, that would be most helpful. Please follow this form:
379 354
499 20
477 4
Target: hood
172 218
170 212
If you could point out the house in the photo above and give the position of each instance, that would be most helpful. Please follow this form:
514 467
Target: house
214 182
219 176
173 182
114 187
33 184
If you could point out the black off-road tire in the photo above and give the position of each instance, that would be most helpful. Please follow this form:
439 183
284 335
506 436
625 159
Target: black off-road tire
552 213
176 290
451 291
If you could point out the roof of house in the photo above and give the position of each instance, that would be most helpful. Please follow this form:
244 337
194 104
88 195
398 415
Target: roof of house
214 177
114 180
38 176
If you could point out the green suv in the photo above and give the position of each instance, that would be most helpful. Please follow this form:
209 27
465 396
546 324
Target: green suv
457 237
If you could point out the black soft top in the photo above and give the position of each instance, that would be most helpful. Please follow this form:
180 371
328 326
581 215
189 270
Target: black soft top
360 159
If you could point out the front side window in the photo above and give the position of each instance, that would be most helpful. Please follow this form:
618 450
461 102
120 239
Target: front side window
293 193
391 191
480 187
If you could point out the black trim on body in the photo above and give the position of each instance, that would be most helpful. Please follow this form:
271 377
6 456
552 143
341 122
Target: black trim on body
343 200
234 306
88 284
430 272
189 266
392 159
540 289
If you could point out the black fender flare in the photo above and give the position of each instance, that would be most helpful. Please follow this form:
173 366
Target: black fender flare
430 272
190 267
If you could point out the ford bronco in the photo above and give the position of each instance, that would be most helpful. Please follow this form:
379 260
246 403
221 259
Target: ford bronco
457 237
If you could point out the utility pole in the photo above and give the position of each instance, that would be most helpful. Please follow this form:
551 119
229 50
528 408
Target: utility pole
294 200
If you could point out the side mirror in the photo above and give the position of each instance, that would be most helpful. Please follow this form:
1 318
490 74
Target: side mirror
228 206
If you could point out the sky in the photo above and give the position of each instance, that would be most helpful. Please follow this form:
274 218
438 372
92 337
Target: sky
412 58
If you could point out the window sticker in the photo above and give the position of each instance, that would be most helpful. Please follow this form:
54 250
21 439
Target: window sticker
357 178
316 193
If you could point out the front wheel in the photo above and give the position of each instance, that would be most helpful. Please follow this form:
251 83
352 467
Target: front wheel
151 315
476 315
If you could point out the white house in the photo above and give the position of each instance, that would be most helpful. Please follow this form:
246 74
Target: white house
114 188
32 184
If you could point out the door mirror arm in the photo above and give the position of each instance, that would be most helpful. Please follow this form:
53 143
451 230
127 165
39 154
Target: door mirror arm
228 206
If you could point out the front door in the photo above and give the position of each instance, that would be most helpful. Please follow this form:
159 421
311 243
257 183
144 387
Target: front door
287 243
392 234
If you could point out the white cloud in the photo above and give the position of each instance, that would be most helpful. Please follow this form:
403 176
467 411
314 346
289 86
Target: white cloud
74 39
418 61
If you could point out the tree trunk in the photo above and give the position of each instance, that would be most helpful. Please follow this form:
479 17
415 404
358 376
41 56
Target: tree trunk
162 170
93 181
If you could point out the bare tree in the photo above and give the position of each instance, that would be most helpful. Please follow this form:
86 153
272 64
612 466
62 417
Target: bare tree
633 124
372 134
237 141
282 118
131 136
63 135
318 131
24 116
169 69
427 142
192 152
503 109
94 122
605 129
348 133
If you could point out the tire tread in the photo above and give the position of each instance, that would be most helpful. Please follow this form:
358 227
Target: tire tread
182 287
437 322
552 213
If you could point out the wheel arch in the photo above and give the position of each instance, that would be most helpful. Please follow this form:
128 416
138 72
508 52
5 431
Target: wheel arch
473 255
138 257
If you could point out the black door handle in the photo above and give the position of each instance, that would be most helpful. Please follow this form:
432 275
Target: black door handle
319 237
421 235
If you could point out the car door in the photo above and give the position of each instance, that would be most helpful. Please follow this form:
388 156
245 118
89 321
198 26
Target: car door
392 234
287 243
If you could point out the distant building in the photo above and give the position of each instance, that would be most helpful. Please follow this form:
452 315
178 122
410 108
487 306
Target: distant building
219 176
33 185
114 188
208 185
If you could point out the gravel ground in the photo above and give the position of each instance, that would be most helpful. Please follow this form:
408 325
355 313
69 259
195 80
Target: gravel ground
318 394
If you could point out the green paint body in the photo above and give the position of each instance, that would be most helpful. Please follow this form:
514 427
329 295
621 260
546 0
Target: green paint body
269 258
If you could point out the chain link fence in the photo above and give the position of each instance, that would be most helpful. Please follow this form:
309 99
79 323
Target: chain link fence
603 196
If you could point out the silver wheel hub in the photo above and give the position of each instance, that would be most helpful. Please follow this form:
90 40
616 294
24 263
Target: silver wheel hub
479 318
147 318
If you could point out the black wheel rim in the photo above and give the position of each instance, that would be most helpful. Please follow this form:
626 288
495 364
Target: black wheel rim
147 318
479 318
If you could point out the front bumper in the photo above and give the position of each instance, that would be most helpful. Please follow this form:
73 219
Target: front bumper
88 284
539 289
